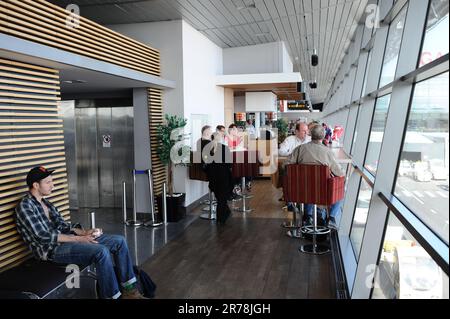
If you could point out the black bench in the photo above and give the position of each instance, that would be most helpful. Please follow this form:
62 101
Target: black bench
35 279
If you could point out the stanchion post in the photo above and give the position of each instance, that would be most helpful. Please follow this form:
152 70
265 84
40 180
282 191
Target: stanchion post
152 222
92 219
134 222
164 203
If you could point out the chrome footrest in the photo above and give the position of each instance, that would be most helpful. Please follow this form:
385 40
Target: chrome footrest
206 209
320 230
314 249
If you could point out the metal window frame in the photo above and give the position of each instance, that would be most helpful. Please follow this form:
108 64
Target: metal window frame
401 88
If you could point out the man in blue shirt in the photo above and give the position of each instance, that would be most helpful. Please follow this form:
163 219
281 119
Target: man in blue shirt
51 238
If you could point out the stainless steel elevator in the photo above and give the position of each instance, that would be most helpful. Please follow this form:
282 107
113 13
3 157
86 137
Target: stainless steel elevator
102 147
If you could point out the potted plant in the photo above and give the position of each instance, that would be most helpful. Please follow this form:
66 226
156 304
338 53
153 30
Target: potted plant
283 129
172 152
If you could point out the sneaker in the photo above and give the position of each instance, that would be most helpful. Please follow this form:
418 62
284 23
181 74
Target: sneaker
309 221
237 190
132 294
332 225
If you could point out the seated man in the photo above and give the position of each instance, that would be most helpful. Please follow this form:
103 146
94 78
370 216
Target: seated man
316 153
293 141
51 238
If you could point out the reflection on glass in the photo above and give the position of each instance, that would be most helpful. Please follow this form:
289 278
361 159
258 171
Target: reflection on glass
422 181
377 133
393 48
355 134
360 217
366 75
405 270
435 44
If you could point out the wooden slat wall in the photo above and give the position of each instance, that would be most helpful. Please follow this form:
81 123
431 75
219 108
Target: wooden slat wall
155 112
42 22
31 134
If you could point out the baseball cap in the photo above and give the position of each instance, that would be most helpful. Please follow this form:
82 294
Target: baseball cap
36 174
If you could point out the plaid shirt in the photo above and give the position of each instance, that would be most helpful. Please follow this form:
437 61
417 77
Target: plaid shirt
40 233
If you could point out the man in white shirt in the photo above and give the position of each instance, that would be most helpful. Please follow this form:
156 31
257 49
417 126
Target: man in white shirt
293 141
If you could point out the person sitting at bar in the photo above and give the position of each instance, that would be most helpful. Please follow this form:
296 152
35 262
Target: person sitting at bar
233 140
222 131
235 143
291 142
218 159
315 152
51 238
205 138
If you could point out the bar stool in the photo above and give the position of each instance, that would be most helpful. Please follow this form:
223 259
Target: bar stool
313 184
291 196
197 173
293 224
245 164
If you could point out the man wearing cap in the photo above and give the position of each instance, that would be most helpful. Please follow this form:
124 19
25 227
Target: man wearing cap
51 238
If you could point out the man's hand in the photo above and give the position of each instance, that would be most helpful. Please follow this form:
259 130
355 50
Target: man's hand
80 232
86 239
96 232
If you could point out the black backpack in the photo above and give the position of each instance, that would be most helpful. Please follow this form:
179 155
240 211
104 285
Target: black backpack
145 284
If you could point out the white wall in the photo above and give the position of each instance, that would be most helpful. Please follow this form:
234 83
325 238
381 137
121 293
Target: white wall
261 58
193 61
286 59
260 102
165 36
202 62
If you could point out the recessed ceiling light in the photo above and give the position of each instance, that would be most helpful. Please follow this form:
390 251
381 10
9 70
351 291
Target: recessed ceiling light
74 81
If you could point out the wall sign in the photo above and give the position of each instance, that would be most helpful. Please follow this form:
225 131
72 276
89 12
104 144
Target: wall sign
106 138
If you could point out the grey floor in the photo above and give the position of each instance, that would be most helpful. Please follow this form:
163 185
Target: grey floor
143 242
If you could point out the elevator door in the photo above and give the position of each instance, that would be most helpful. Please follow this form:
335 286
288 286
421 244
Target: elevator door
105 155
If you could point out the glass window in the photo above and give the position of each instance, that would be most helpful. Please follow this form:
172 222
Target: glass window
377 133
405 270
435 43
393 48
366 75
355 134
422 180
360 217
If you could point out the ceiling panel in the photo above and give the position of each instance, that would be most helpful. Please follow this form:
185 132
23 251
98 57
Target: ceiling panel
305 25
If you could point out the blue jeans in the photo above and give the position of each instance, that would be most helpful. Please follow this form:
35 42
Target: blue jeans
335 210
109 248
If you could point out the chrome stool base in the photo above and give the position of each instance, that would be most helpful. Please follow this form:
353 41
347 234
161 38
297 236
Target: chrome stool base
152 223
206 209
320 230
134 223
317 250
294 233
208 216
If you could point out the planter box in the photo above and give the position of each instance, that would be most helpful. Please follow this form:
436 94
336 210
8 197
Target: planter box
175 207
